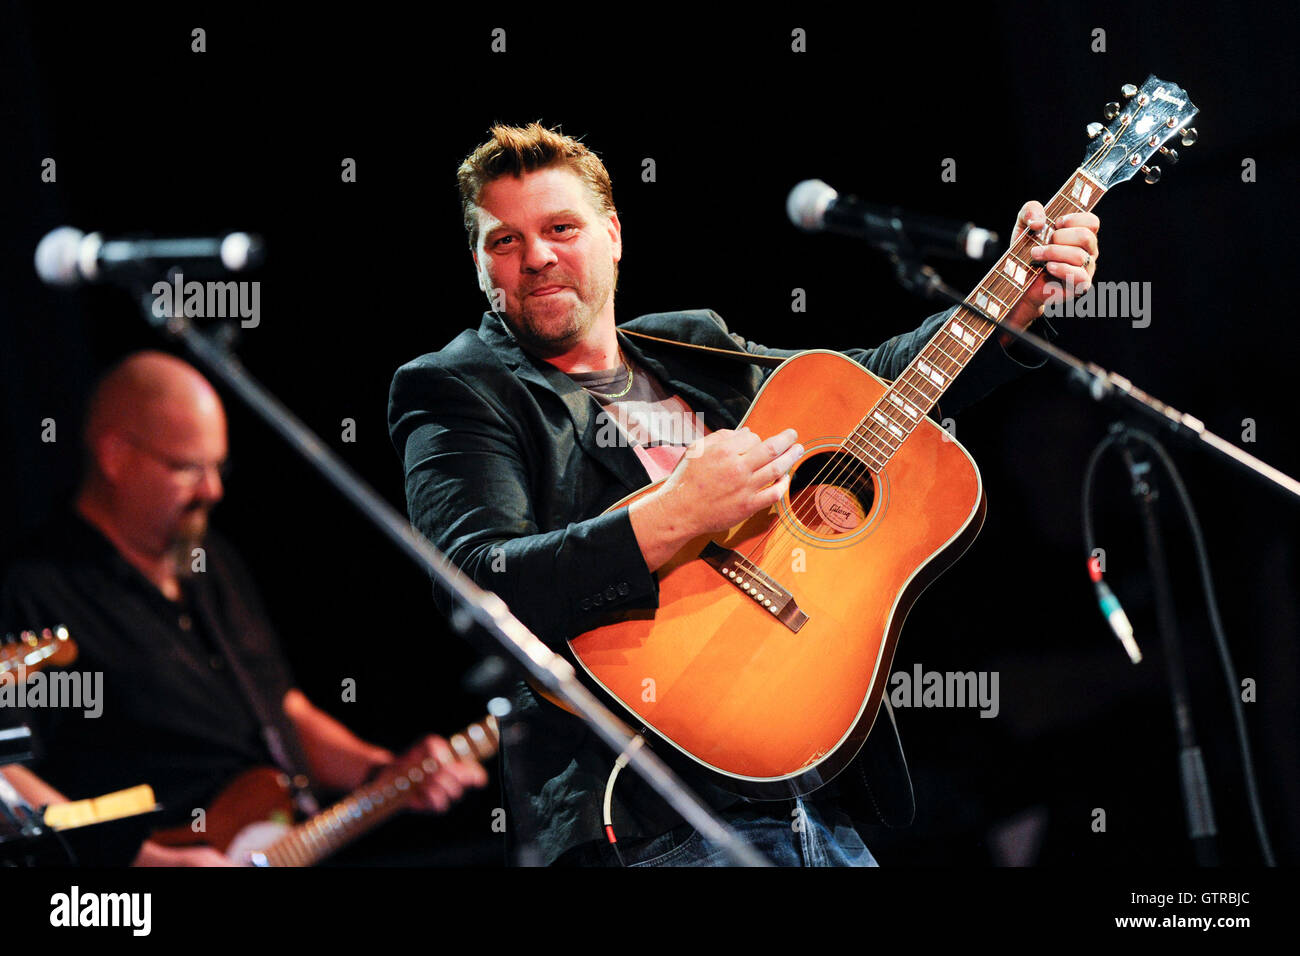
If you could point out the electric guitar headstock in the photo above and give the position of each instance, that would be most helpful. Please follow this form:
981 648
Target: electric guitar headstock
28 652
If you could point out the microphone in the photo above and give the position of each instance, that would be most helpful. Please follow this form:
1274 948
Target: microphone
815 206
67 256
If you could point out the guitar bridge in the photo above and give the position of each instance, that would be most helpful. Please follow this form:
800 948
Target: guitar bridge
749 579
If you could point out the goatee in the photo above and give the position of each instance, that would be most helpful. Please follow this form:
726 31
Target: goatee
188 539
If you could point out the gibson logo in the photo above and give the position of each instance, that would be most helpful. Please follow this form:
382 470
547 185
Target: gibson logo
1160 94
837 508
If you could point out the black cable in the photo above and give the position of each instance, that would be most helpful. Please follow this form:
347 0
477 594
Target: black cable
1121 433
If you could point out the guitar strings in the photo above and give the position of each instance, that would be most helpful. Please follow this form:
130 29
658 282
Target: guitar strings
846 464
852 468
1058 206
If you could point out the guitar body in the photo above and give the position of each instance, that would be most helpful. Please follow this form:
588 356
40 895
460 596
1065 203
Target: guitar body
252 812
766 710
252 819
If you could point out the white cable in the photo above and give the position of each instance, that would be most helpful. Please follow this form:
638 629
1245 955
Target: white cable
619 764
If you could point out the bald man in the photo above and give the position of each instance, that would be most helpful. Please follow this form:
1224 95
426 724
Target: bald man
193 675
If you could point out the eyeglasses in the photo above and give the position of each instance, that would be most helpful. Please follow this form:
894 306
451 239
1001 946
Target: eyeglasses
190 472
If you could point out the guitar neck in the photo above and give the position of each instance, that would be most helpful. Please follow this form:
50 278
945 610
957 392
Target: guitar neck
365 808
917 390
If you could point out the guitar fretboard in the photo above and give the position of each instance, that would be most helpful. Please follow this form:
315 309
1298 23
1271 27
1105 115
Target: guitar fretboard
909 399
331 829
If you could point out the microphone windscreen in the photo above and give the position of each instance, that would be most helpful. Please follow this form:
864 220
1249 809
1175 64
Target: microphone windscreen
807 204
57 255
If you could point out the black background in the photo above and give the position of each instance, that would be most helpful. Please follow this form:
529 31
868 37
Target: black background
151 137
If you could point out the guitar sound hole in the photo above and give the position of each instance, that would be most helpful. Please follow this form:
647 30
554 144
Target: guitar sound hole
831 493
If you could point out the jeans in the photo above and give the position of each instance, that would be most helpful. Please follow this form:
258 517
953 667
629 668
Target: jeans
805 836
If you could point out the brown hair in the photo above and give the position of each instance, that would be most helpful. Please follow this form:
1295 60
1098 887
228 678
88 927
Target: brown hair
515 150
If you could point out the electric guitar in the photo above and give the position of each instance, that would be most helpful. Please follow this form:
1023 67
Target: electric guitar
251 821
766 660
27 653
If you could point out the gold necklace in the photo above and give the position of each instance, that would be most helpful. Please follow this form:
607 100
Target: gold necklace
626 388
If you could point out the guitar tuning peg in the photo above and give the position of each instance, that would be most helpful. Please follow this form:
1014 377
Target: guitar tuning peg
1128 90
1111 111
1094 130
1171 155
1153 174
1189 135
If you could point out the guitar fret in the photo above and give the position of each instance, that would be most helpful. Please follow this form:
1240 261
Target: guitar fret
969 340
988 302
310 844
874 443
872 457
876 436
925 402
865 431
894 415
886 421
331 828
1016 270
928 371
955 343
951 358
1081 190
886 428
911 410
938 353
941 358
1005 288
938 356
313 840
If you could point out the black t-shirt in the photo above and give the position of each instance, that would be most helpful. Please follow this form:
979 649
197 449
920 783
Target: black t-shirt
174 715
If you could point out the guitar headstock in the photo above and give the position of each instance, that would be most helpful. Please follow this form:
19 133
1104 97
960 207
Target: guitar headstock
30 651
1137 132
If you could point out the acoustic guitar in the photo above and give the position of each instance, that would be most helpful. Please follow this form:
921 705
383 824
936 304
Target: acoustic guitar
765 662
251 821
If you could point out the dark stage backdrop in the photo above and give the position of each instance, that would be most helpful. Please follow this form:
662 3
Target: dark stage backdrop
149 136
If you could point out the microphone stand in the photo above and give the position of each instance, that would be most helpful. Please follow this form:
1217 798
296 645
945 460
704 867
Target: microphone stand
475 607
1196 790
1101 385
1104 386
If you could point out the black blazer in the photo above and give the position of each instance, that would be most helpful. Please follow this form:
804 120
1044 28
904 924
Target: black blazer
505 476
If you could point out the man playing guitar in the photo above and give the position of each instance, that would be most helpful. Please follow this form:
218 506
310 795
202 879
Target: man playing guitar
196 688
509 465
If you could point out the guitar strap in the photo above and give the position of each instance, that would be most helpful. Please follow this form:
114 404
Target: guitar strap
768 361
287 754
